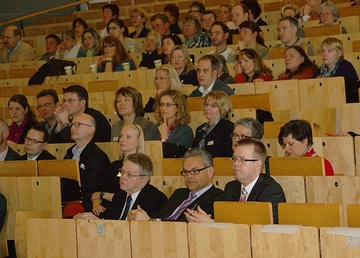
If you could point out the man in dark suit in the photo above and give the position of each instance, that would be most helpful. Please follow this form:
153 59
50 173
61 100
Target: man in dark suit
93 162
6 153
35 143
197 171
207 74
134 181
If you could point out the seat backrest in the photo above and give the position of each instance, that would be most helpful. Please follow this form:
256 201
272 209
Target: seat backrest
223 166
195 103
243 212
257 101
8 188
168 184
353 211
18 168
67 168
297 166
171 166
322 30
294 188
154 150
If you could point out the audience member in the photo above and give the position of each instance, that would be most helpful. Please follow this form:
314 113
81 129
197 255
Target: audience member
181 61
296 138
207 20
109 11
69 47
217 110
165 78
223 72
138 18
198 171
254 11
329 15
193 36
250 67
78 26
153 50
6 153
207 74
114 56
196 9
22 116
35 144
92 160
52 43
287 29
75 102
3 210
173 116
298 65
117 29
250 185
168 43
219 34
91 42
129 108
12 48
135 192
334 65
172 12
239 14
310 10
225 16
160 23
293 11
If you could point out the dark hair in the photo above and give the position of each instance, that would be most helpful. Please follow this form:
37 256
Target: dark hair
81 22
17 31
292 20
199 5
304 65
120 54
136 99
119 23
113 8
259 148
254 27
80 91
175 38
40 128
215 64
54 37
47 92
173 10
160 16
209 12
253 6
299 130
223 26
22 100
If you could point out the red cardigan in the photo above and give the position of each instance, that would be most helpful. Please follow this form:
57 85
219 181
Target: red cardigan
240 78
329 171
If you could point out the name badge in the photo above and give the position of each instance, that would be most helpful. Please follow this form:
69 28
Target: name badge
210 143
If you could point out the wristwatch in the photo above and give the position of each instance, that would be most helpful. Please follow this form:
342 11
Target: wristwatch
102 194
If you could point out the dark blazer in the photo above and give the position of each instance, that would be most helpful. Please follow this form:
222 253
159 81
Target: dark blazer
12 155
218 85
175 29
189 78
266 189
44 155
93 162
53 137
150 200
142 34
148 59
180 135
218 141
205 201
261 22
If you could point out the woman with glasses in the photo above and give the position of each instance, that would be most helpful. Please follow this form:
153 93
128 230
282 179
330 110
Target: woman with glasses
114 56
22 116
180 60
153 50
129 107
172 129
211 135
138 18
116 28
165 78
131 140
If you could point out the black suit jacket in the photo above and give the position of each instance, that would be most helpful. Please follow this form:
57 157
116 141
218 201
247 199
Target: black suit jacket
218 85
12 155
53 137
150 200
205 201
218 141
44 155
266 189
93 162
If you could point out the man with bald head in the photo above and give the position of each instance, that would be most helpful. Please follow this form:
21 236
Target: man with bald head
6 153
12 48
93 161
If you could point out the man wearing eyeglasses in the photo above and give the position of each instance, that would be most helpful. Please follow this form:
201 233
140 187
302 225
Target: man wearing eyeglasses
135 176
198 172
76 102
196 9
93 162
35 144
12 48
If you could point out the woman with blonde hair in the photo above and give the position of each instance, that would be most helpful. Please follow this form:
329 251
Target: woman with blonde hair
334 65
165 78
153 50
173 116
91 42
214 135
181 61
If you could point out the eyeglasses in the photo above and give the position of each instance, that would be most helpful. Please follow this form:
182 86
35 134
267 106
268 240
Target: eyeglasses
7 37
70 101
113 28
135 16
109 45
151 40
161 78
239 136
33 141
210 19
194 11
130 176
168 105
45 105
210 105
192 172
78 124
241 160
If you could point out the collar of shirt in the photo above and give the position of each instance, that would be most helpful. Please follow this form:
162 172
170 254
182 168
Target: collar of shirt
16 47
206 91
50 128
33 158
133 199
4 153
77 152
250 186
199 193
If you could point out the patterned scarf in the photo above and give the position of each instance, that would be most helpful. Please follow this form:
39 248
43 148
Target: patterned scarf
324 72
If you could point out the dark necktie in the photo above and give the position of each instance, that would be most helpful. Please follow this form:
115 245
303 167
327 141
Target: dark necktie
182 207
127 207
